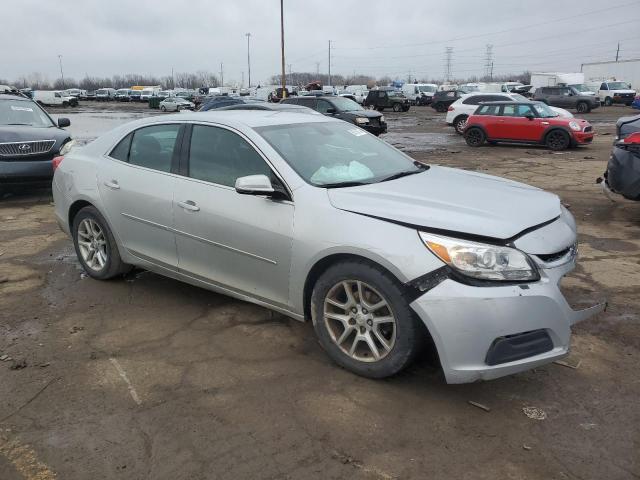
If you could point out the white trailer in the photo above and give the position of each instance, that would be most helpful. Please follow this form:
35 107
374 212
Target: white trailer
551 79
623 71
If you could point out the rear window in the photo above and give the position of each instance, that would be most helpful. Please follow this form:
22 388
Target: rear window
121 151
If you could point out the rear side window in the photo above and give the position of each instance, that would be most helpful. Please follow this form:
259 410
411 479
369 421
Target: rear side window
488 110
475 100
121 151
324 106
153 147
219 156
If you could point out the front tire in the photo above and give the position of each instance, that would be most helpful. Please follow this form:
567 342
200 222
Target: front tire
163 108
363 320
608 102
474 137
583 107
95 245
558 140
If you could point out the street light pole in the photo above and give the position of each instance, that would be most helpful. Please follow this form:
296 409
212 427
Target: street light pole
284 85
248 58
61 72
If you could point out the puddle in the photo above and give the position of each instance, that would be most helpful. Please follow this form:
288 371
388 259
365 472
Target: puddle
422 142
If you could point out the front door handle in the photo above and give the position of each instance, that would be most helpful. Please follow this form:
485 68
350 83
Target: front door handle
189 205
113 185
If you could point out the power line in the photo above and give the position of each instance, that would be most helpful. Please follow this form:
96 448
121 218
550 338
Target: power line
448 55
488 61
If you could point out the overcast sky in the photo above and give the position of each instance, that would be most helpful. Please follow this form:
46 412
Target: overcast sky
376 37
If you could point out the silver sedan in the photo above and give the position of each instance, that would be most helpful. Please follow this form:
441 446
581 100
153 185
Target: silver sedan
175 104
317 219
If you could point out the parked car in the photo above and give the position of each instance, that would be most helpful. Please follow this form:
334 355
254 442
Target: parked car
145 95
29 141
135 95
419 93
387 98
636 103
219 101
54 98
76 93
622 177
460 110
187 95
566 97
359 92
274 107
105 94
123 95
611 92
443 99
175 104
303 215
525 122
344 109
91 95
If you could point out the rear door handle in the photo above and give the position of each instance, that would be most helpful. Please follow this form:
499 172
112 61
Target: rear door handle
189 205
113 185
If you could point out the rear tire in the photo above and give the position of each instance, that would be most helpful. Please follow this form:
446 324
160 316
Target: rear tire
441 108
95 245
474 137
557 140
397 107
608 102
376 344
460 123
163 108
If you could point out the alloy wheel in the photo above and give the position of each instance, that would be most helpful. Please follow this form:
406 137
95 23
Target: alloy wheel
92 244
461 125
557 140
360 321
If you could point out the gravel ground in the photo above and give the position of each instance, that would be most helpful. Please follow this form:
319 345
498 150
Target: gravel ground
146 377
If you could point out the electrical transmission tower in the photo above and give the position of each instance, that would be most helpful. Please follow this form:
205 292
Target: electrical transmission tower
488 62
448 59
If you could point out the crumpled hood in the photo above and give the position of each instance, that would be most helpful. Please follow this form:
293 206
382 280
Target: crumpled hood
454 200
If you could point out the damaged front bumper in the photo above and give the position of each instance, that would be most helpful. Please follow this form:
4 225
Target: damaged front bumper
481 332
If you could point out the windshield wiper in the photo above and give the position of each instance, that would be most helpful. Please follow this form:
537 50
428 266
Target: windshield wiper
343 184
421 168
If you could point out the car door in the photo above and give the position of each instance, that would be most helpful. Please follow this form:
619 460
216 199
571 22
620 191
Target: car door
517 126
136 182
240 242
491 120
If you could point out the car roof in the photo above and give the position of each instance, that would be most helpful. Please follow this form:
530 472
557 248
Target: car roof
248 118
512 102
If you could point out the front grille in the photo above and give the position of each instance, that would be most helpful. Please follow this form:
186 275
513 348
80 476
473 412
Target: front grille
374 122
21 149
554 257
588 129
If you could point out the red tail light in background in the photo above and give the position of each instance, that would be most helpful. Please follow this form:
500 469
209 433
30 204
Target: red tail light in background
55 163
633 139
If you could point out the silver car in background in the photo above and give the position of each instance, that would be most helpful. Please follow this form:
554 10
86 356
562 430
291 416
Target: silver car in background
317 219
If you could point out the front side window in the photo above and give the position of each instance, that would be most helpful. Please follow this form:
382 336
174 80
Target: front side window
220 156
153 147
604 87
517 110
335 154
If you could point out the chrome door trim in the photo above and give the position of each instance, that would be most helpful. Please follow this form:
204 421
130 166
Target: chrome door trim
200 239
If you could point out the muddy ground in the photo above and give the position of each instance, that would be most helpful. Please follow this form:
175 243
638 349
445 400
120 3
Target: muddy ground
146 377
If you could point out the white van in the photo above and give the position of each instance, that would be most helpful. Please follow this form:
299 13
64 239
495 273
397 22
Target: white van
51 98
105 94
613 91
419 93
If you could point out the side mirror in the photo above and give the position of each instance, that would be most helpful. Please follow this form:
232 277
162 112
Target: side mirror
331 110
254 185
529 116
63 122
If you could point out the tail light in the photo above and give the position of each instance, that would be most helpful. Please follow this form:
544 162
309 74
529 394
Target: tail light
633 139
450 109
55 163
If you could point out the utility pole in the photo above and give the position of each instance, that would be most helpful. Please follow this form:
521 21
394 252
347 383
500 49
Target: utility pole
618 52
329 63
61 72
221 75
317 69
491 75
282 73
449 54
488 61
248 59
173 80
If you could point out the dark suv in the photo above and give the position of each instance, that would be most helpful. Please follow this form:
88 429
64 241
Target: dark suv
29 140
387 98
344 109
566 97
442 100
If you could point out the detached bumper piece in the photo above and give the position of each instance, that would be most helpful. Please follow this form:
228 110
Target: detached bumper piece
518 346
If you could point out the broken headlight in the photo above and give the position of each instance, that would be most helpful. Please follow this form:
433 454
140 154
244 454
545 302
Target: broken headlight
482 261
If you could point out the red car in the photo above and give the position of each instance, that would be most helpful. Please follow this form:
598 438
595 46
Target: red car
525 122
